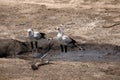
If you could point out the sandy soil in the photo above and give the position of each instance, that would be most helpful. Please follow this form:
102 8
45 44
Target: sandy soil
95 25
17 69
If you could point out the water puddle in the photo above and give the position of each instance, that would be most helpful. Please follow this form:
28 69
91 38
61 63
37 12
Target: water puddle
91 53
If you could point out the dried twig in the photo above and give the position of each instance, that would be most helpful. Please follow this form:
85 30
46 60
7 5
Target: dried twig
111 25
36 65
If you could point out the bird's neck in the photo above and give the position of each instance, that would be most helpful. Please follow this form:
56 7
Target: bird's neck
31 33
60 32
59 35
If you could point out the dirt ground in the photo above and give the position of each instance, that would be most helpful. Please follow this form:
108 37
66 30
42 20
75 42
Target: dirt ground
92 23
17 69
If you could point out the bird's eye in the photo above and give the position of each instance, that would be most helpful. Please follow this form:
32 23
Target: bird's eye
58 28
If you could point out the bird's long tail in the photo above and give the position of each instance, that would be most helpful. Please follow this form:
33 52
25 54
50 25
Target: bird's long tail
79 47
43 35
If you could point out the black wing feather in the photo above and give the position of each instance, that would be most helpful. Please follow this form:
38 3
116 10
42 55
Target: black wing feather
42 35
73 41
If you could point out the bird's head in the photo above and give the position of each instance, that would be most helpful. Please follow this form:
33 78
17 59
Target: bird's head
59 28
29 30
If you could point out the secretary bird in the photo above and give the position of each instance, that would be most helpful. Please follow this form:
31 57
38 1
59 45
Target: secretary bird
34 37
65 40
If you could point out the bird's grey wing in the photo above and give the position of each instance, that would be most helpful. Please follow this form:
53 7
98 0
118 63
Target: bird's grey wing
66 39
37 35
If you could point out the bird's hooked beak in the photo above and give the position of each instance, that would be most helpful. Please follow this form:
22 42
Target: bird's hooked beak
50 39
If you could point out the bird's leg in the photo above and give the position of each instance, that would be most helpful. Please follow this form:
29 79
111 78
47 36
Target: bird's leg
65 48
32 46
36 45
61 46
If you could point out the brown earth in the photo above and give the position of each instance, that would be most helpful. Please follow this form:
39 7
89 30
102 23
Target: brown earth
17 69
93 23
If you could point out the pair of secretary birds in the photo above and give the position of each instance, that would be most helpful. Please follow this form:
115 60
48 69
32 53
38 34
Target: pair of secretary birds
63 39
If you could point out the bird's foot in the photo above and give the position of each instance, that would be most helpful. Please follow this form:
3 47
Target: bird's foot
82 55
82 49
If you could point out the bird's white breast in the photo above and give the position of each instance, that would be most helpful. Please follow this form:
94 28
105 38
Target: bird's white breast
59 37
37 34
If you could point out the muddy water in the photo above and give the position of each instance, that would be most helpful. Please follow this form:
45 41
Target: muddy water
92 52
